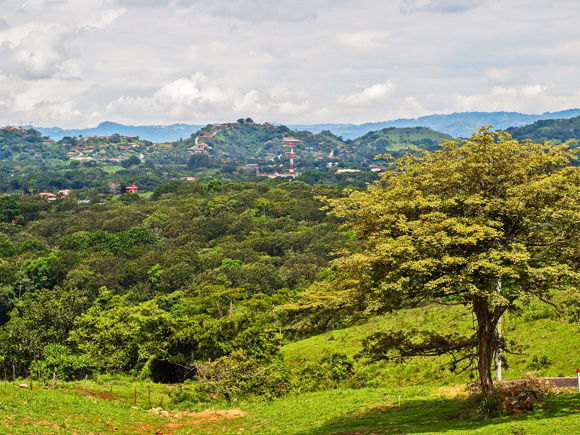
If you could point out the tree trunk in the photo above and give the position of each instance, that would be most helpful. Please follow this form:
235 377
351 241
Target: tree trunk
486 343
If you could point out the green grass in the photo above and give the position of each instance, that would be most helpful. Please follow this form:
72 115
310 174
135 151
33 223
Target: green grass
433 400
112 169
70 410
422 409
537 330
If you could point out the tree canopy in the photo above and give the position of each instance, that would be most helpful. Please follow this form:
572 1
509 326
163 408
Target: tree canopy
452 224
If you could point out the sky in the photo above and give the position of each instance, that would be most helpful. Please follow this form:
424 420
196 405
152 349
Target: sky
76 63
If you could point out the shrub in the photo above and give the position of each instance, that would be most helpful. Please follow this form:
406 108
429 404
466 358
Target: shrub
67 366
241 375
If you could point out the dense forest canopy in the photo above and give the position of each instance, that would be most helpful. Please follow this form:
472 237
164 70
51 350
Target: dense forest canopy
152 286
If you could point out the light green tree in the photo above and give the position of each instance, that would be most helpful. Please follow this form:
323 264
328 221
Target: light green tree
455 225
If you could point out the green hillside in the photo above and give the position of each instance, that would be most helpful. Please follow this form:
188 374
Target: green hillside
548 345
395 140
556 130
415 397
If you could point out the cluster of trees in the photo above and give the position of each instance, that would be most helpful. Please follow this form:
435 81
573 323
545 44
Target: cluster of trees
157 287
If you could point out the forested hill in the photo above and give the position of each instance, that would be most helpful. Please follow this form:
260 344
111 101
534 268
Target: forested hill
27 146
556 130
245 139
152 287
235 151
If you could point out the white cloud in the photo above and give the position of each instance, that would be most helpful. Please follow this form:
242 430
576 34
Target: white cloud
522 98
190 98
533 90
378 93
365 40
248 10
37 55
440 6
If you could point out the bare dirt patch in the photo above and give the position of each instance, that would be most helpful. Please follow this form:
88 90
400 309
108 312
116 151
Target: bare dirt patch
208 420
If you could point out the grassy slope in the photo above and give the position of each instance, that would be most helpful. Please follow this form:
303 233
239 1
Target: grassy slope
423 409
399 138
428 405
536 330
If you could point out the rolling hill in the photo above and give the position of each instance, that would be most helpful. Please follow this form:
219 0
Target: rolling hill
556 130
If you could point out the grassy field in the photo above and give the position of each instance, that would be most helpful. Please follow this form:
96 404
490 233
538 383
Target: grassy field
421 410
418 397
111 169
548 345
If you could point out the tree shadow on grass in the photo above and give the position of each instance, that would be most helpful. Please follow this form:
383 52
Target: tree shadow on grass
426 415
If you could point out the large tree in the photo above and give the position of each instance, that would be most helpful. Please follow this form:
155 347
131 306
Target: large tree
453 224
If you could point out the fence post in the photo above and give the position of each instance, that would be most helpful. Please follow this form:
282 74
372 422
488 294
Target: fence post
85 383
111 392
53 380
135 396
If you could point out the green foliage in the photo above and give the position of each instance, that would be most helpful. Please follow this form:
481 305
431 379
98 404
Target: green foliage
164 189
149 287
214 185
44 272
452 224
241 375
538 363
7 302
32 245
557 130
129 198
67 366
10 209
7 249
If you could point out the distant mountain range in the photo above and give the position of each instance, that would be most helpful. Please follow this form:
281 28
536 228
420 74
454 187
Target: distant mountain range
455 124
153 133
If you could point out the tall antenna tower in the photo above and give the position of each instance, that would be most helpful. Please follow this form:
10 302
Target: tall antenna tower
289 141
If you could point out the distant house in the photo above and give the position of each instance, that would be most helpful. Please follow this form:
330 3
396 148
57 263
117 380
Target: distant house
47 195
342 171
132 189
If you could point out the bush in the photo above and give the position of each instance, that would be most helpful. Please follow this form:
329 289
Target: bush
241 375
67 366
